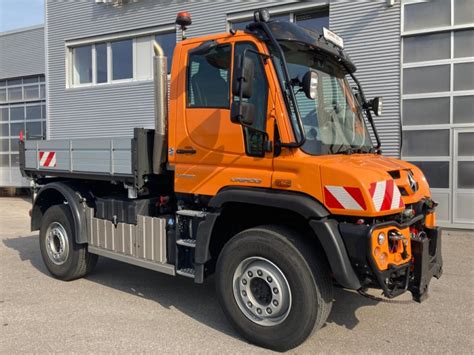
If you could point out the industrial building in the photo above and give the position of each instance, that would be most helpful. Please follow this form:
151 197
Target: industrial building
417 55
22 97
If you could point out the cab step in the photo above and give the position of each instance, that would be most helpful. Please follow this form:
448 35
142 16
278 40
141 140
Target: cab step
191 213
190 243
188 272
187 222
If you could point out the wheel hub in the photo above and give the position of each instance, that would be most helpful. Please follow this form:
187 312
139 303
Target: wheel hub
261 291
57 243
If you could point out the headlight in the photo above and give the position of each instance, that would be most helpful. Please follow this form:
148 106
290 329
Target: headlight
381 238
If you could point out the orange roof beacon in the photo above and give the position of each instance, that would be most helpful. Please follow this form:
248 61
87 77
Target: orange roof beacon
260 170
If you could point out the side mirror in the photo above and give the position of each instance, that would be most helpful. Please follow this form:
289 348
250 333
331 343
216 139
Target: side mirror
242 113
310 84
376 105
242 83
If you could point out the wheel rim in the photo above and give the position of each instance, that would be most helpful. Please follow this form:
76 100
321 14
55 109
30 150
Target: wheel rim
261 291
57 243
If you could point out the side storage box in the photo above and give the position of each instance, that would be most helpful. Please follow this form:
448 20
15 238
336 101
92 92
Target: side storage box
122 210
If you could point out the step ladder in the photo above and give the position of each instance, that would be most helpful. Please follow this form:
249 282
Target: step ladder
187 222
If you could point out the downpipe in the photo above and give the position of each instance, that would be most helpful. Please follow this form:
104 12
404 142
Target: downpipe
160 80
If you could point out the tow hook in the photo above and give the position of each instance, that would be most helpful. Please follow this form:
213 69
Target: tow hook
395 236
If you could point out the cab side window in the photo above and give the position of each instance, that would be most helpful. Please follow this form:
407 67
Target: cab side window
208 78
254 137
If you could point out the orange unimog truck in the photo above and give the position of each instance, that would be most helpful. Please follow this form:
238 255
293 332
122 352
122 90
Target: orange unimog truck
260 170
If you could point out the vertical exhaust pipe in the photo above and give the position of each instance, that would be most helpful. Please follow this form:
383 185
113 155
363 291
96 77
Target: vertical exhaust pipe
160 79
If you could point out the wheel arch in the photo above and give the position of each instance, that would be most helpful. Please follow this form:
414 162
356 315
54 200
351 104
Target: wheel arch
69 193
260 206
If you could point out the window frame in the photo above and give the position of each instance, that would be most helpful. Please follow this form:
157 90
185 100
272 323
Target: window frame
107 39
73 65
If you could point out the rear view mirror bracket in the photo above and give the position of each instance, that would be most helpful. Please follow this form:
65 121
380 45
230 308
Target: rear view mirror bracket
242 85
243 112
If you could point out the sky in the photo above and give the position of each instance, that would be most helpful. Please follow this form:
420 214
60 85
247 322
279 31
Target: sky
16 14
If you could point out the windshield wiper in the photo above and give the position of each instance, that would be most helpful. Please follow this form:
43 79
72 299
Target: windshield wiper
353 150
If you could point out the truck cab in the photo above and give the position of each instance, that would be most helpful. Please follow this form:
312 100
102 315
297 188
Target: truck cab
264 168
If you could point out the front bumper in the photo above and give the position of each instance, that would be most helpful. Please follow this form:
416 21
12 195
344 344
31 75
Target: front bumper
414 275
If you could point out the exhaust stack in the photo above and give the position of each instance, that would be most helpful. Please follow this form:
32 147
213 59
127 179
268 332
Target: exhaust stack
160 79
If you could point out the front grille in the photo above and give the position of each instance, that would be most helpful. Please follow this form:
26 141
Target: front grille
395 174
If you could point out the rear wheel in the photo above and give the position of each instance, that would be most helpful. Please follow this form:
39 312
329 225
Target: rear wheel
63 257
274 288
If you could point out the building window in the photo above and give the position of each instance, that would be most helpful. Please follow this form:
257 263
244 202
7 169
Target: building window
15 93
464 44
427 14
122 60
427 47
112 58
3 95
22 110
82 65
101 62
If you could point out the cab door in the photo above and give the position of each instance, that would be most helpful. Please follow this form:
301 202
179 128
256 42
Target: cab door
212 152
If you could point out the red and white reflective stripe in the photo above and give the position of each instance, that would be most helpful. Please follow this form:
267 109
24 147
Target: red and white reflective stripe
47 159
342 197
386 196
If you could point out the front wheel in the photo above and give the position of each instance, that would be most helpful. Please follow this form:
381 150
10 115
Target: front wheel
63 257
274 289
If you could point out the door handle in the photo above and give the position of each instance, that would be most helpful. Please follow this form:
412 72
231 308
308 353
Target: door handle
186 151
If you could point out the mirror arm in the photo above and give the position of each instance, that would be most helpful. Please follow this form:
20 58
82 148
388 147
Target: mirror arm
267 147
241 79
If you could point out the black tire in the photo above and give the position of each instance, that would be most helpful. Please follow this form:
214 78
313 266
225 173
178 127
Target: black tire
306 271
77 262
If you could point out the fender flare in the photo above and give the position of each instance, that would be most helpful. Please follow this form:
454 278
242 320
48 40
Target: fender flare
73 196
303 204
325 229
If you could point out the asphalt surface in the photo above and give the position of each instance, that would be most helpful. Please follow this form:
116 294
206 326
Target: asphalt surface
121 308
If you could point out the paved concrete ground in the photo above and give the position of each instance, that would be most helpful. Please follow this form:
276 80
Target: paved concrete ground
122 308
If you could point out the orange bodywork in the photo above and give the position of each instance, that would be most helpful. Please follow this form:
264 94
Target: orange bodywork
220 159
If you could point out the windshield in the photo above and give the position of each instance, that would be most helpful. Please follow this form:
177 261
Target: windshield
333 122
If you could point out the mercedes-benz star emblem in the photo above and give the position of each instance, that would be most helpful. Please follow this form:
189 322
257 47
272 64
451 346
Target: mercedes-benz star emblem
412 182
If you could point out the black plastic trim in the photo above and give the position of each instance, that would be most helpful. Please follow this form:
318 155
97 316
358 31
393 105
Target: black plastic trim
326 230
297 202
142 155
21 150
73 197
396 224
328 235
